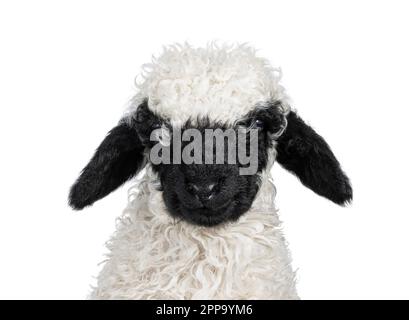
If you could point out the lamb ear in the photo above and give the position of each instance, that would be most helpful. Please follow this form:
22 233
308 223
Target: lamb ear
306 154
118 158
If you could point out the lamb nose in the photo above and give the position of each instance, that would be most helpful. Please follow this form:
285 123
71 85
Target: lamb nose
203 192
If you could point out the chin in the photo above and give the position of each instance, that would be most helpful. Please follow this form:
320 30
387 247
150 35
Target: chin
209 217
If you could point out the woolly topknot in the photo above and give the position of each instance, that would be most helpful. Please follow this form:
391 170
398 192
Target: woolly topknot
223 82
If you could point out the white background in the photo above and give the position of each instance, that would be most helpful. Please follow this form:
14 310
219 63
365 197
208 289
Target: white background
66 73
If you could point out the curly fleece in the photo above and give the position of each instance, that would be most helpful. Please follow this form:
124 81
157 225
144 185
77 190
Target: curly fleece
221 82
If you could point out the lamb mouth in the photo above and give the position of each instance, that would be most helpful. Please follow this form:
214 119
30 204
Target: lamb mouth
208 217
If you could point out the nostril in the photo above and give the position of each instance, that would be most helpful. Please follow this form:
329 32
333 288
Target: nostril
210 196
210 191
192 188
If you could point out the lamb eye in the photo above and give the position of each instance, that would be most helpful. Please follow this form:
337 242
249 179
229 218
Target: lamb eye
259 124
156 125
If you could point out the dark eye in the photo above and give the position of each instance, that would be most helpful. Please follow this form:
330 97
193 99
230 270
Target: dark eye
156 125
259 124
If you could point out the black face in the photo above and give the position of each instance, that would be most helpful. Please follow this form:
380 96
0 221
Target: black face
209 194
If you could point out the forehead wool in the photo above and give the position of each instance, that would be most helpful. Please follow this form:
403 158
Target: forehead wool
220 82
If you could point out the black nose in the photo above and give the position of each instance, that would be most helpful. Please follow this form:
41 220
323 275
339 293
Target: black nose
203 191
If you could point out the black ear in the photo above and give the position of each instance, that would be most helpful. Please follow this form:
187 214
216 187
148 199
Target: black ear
117 159
306 154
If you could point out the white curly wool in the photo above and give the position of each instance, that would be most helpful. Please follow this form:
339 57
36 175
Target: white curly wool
154 256
222 82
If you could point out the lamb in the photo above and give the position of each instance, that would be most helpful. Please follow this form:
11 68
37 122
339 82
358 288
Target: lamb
203 230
